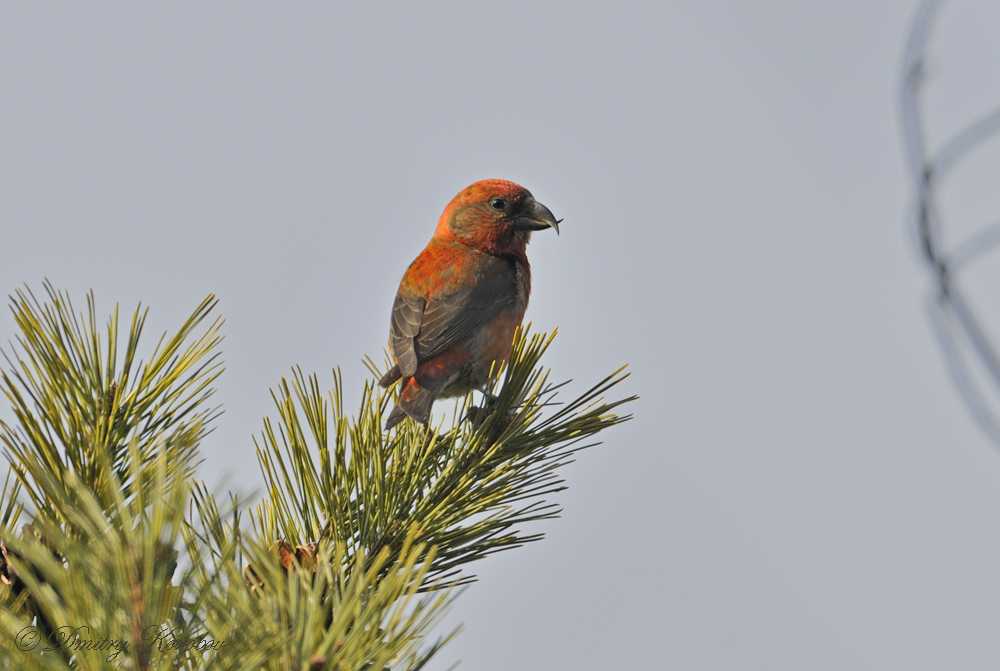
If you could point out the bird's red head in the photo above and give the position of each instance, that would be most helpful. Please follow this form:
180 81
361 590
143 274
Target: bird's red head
494 215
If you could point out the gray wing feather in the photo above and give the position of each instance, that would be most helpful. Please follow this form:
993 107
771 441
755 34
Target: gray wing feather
454 318
407 315
421 329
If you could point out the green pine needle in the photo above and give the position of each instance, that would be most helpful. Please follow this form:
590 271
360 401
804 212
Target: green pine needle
349 560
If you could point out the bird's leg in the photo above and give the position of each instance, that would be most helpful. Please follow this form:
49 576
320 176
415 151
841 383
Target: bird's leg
477 415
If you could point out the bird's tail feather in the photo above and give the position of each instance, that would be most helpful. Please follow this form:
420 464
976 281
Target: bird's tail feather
414 402
390 376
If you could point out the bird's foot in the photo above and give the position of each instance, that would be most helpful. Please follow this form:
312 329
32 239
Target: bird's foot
476 415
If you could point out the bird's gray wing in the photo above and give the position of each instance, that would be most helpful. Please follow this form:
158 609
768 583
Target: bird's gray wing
455 317
423 328
407 315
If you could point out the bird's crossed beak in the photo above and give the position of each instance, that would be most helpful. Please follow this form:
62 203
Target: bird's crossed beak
536 217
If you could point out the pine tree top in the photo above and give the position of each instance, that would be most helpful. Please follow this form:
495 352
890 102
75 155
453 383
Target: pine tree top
115 555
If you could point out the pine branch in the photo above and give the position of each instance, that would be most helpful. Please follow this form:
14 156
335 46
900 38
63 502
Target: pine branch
81 397
284 607
347 563
467 491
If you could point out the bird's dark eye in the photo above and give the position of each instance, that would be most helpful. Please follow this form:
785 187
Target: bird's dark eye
498 204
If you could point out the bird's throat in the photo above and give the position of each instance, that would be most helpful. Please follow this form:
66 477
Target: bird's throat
501 241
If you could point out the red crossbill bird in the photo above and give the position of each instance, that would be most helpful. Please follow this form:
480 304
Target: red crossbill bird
461 299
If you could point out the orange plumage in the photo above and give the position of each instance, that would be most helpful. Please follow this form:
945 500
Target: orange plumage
461 299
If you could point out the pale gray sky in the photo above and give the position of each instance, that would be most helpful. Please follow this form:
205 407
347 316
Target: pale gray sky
801 489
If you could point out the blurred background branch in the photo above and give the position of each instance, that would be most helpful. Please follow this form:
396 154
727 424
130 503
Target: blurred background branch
967 345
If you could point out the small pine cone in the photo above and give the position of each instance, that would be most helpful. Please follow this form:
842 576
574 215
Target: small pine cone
301 556
8 575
